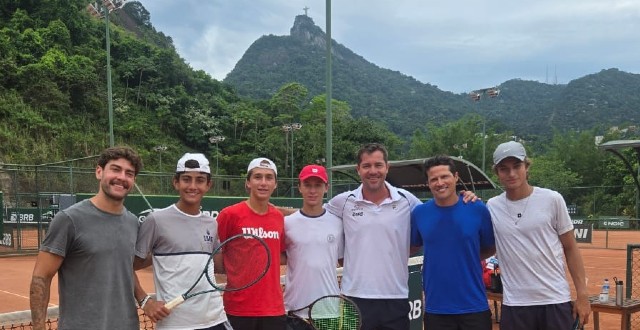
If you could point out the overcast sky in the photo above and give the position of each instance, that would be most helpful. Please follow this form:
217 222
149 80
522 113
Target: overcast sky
457 45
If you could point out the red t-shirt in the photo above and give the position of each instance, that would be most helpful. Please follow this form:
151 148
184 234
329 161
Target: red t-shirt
265 297
486 274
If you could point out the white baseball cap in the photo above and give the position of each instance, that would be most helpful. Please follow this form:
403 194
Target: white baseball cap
193 163
509 149
262 163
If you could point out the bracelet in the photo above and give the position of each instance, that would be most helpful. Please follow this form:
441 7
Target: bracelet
144 301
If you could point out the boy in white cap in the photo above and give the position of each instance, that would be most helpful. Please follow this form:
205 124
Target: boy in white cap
315 243
534 234
178 240
261 306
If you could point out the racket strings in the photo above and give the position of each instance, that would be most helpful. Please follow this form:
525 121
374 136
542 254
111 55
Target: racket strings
211 273
334 313
246 260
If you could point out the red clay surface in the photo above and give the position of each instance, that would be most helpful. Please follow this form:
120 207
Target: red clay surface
600 263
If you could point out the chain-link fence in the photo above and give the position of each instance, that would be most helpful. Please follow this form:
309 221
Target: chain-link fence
633 280
32 194
32 186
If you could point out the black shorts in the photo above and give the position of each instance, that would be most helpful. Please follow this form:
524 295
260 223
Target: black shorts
470 321
549 317
384 314
221 326
258 322
296 323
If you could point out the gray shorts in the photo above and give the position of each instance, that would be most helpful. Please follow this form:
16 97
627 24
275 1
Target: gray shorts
539 317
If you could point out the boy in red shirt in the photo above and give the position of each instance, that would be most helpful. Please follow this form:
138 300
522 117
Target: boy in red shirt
261 306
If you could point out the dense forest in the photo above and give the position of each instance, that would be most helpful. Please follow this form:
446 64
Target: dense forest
53 105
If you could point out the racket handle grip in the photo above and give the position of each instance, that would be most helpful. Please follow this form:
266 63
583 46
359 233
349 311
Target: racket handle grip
175 302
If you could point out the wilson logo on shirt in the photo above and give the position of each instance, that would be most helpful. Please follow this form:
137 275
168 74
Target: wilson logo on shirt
260 232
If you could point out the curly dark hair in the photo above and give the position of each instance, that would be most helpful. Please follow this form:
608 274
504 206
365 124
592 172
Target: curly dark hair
114 153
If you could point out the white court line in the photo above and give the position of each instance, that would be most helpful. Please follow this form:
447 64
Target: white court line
14 294
24 297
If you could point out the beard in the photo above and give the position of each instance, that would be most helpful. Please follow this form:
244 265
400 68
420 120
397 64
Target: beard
108 191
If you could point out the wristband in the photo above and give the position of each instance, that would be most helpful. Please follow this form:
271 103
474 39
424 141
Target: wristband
144 301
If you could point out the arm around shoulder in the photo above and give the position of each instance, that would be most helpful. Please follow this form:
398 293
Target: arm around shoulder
337 203
140 263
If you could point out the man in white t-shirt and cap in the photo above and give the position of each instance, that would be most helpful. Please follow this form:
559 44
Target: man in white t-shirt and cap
178 240
314 241
534 235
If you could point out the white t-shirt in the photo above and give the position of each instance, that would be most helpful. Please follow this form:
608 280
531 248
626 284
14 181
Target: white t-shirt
181 245
376 243
529 248
314 245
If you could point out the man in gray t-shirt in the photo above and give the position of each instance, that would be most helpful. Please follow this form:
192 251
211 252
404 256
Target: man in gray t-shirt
91 246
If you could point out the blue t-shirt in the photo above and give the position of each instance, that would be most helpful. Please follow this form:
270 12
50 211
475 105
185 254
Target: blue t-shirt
452 238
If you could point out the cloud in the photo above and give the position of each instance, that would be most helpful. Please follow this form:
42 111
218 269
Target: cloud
458 45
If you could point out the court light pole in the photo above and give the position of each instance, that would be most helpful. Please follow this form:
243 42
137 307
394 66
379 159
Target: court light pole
215 140
103 9
328 92
460 148
294 127
476 96
290 128
160 149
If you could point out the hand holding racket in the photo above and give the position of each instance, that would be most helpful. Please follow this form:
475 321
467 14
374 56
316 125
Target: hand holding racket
332 312
246 261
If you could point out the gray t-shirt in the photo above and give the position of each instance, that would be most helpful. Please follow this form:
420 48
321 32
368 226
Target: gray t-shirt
95 280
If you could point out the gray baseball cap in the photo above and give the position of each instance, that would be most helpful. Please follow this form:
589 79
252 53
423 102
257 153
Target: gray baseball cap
509 149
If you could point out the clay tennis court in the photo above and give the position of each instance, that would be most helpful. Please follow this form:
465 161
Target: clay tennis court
600 263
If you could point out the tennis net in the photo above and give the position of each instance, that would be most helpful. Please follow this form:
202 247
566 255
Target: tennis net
22 320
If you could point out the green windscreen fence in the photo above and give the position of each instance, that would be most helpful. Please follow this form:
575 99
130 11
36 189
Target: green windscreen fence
23 228
1 217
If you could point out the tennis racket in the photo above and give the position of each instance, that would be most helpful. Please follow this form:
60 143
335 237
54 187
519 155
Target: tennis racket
332 312
246 261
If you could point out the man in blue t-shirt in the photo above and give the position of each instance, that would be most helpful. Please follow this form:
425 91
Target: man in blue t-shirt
455 236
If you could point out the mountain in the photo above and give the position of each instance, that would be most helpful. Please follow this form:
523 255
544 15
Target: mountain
382 94
607 98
